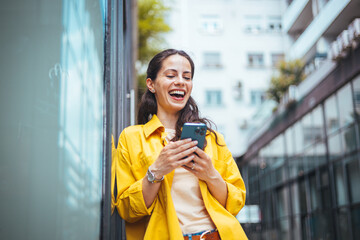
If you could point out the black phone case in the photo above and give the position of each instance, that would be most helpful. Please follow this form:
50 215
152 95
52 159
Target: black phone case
195 131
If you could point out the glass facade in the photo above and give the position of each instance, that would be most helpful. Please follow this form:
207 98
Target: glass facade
57 99
306 180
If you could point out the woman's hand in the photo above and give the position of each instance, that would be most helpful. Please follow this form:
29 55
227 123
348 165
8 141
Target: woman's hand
202 167
174 155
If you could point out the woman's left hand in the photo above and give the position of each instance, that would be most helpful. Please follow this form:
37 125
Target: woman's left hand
202 167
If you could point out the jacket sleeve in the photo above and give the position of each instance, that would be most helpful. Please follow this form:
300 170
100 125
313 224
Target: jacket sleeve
231 175
130 201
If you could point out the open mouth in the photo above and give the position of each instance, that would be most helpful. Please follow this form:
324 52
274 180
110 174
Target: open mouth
178 94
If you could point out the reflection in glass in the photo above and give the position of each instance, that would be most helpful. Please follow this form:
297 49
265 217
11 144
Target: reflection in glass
353 173
355 219
295 198
320 152
299 137
53 99
335 146
296 228
331 113
321 225
303 194
340 183
346 110
289 141
349 138
282 202
318 123
343 224
356 87
284 228
307 128
314 193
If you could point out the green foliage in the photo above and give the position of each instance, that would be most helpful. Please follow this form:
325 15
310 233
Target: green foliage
289 73
151 26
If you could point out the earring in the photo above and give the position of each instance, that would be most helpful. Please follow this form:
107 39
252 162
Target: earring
152 90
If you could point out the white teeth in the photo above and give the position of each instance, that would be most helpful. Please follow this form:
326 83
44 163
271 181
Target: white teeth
177 92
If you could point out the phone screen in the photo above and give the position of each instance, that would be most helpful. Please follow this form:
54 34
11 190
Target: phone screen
195 131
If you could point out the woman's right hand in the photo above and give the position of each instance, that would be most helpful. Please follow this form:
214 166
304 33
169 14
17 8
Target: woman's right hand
173 155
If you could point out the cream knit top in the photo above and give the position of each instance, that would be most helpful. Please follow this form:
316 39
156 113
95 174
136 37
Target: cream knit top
189 205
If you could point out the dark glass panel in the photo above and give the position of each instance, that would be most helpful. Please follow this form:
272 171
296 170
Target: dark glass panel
356 95
353 173
343 224
355 220
346 109
349 138
340 184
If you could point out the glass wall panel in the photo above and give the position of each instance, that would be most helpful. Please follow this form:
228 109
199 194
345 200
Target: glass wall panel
309 159
355 219
331 114
295 197
299 138
353 172
343 224
307 128
318 123
346 109
321 226
341 194
284 229
289 141
52 57
296 228
320 152
303 194
325 189
335 146
349 138
314 193
282 202
356 89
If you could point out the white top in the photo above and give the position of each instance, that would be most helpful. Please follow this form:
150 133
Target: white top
189 205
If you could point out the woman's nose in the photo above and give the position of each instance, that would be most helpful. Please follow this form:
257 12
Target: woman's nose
180 80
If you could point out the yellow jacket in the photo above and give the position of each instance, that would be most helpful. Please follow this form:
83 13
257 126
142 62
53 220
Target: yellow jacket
137 149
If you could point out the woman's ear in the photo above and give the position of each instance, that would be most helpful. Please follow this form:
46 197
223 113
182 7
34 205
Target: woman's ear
150 85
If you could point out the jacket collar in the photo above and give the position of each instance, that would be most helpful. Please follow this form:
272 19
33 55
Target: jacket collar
152 125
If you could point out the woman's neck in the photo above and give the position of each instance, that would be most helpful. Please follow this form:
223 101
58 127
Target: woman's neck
168 120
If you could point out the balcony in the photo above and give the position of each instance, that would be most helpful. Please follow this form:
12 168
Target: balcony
330 21
297 17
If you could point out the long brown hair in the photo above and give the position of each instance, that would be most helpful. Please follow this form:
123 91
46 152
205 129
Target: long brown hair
148 105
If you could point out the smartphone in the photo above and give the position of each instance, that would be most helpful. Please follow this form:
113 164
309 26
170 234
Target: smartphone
195 131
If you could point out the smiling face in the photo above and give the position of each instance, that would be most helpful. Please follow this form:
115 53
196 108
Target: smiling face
173 84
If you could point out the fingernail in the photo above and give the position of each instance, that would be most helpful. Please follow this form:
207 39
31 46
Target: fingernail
195 142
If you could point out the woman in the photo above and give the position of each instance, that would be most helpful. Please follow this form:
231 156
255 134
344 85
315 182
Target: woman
168 188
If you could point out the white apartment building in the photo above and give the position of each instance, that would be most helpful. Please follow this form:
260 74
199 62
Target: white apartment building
235 45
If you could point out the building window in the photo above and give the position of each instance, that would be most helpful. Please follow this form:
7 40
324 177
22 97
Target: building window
274 24
238 91
212 59
255 60
211 24
213 98
257 97
253 24
276 58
